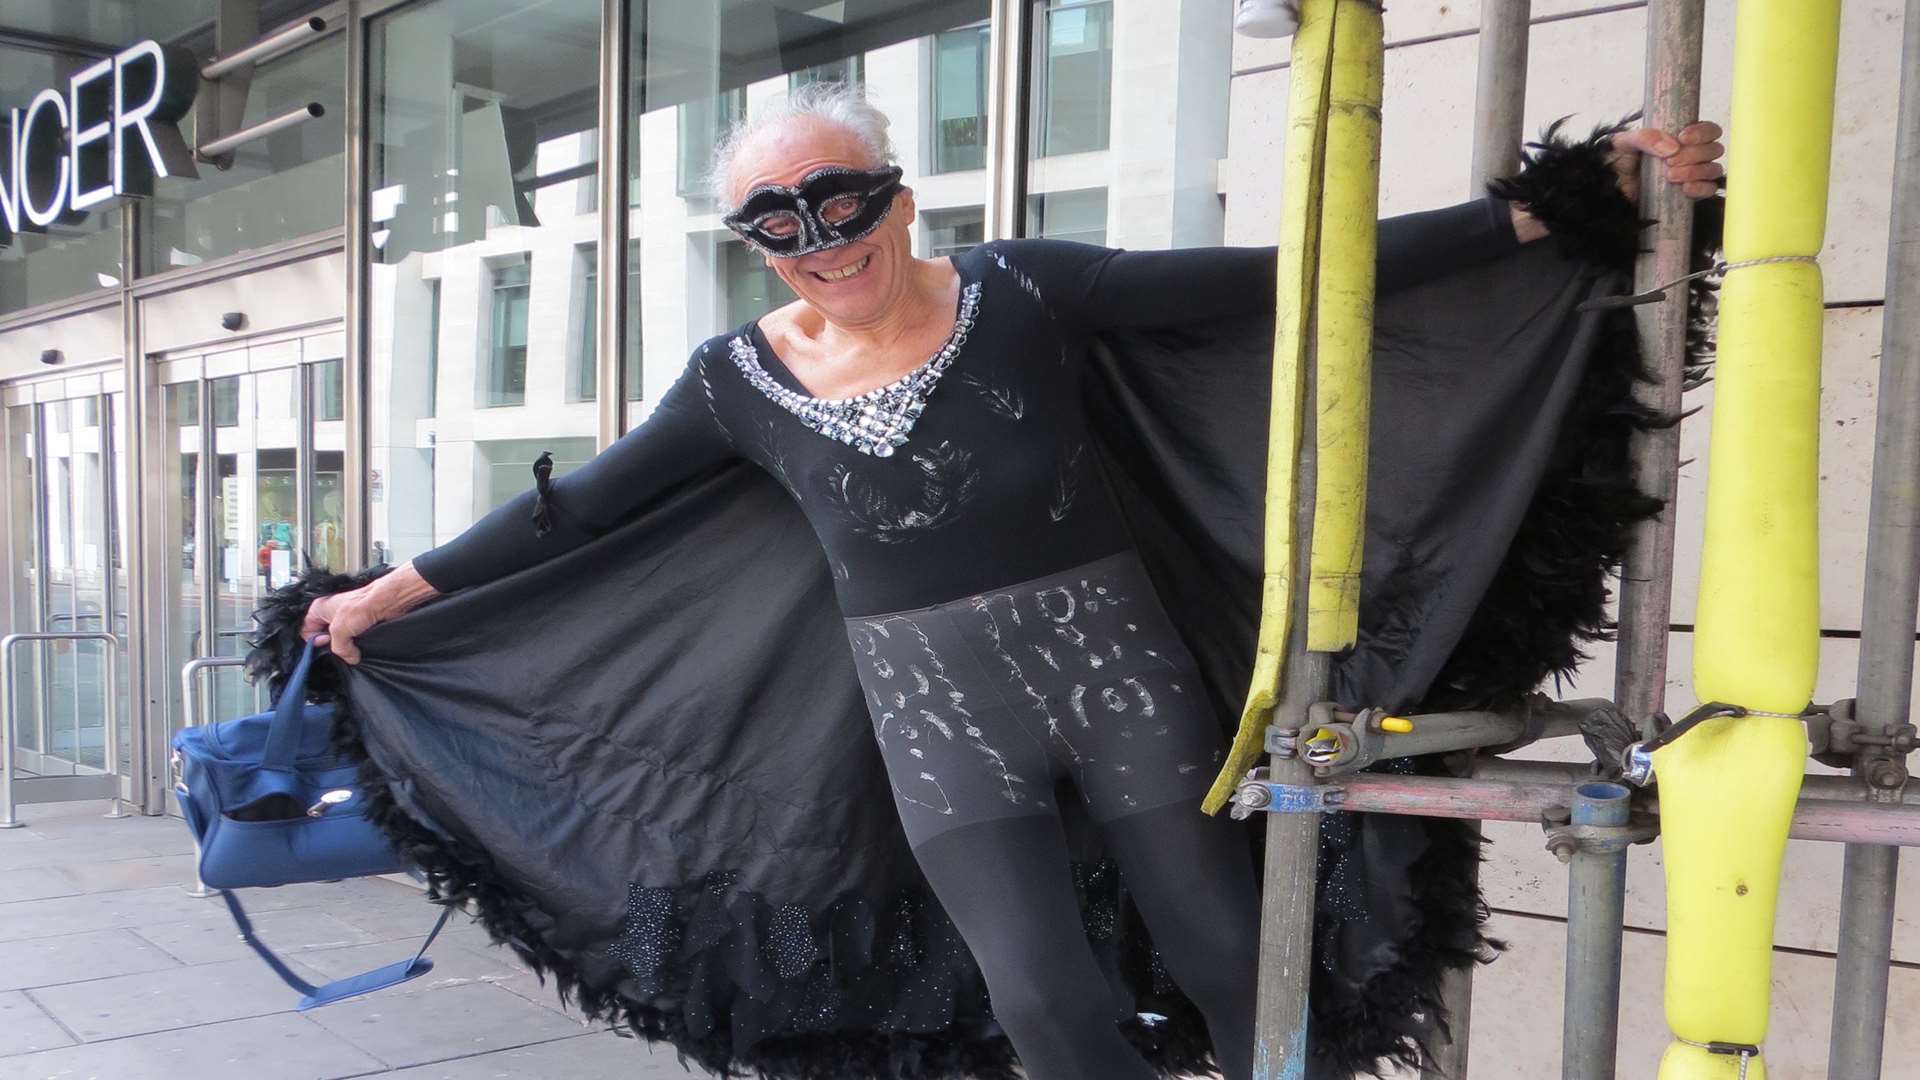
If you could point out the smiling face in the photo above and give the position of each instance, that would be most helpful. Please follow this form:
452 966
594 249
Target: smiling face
857 283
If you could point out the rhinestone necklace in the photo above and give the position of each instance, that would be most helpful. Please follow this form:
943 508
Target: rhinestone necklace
874 422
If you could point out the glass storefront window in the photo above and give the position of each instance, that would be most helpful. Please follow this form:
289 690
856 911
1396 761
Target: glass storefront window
849 70
68 258
698 280
702 122
752 288
483 175
62 262
1069 215
950 232
284 186
1073 80
960 99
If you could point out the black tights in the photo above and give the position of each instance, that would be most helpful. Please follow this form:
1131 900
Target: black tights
1007 885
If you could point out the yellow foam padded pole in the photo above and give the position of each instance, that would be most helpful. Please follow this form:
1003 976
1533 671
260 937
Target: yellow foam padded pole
1727 789
1343 341
1299 243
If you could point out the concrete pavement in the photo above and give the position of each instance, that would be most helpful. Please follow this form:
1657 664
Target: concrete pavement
109 970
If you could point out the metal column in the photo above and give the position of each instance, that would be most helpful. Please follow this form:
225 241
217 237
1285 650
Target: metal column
1500 96
1293 840
1886 631
1596 908
355 367
1010 36
1674 29
610 310
1500 102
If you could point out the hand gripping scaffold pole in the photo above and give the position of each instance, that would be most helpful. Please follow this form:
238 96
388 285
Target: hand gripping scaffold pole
1729 783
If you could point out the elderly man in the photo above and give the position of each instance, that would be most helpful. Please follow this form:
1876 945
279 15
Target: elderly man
927 418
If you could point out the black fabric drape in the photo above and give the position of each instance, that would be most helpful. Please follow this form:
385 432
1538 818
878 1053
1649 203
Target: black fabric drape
646 766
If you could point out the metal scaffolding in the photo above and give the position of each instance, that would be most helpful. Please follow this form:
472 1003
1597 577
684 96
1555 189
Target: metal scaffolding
1590 824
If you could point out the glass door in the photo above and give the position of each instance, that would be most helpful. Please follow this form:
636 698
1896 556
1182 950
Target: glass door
252 445
66 571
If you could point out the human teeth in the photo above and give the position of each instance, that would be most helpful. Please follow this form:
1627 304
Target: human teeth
844 272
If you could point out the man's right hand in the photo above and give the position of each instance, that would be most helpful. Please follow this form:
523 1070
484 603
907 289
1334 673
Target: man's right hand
336 620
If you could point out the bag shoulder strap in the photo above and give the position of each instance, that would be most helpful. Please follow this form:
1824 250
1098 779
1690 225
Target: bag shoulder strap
312 997
283 738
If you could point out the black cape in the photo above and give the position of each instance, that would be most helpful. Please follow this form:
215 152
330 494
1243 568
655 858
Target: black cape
645 765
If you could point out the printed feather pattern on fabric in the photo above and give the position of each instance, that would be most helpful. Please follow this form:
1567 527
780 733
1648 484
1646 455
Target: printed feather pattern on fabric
948 480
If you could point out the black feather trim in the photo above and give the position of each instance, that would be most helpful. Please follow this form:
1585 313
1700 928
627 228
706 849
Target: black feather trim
916 1012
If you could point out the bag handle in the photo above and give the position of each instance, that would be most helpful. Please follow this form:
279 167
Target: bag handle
283 738
312 997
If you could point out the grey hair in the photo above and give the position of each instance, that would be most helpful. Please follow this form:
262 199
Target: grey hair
843 105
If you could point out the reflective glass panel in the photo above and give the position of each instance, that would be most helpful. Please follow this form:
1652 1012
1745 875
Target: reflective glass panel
483 174
1073 84
285 185
959 135
1128 124
701 64
24 573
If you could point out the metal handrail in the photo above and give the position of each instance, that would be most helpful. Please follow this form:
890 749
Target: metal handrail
9 690
190 706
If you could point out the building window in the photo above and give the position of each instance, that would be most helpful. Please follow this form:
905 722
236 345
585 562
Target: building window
752 288
1069 215
959 127
587 311
850 70
702 122
329 395
950 232
507 363
1073 77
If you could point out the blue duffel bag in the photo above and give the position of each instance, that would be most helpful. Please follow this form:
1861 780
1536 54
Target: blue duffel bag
270 802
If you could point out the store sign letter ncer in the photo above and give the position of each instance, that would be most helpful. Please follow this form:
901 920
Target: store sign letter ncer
109 136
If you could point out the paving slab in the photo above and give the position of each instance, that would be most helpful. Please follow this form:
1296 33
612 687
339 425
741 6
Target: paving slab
295 930
175 998
24 1026
35 883
475 937
416 1028
600 1056
283 1047
97 954
452 964
543 994
124 909
104 876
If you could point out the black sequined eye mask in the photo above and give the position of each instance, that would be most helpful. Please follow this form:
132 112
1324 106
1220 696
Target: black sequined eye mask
830 207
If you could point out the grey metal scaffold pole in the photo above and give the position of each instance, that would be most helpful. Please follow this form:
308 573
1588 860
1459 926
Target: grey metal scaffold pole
1674 33
1500 102
1886 630
1293 840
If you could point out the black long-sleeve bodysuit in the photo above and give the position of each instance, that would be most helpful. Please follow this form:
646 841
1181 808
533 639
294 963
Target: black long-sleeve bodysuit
993 484
1005 632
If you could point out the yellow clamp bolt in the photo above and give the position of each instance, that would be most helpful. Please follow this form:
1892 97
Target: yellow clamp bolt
1399 725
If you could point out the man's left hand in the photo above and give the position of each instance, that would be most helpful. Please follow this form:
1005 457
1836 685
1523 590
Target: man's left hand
1691 158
